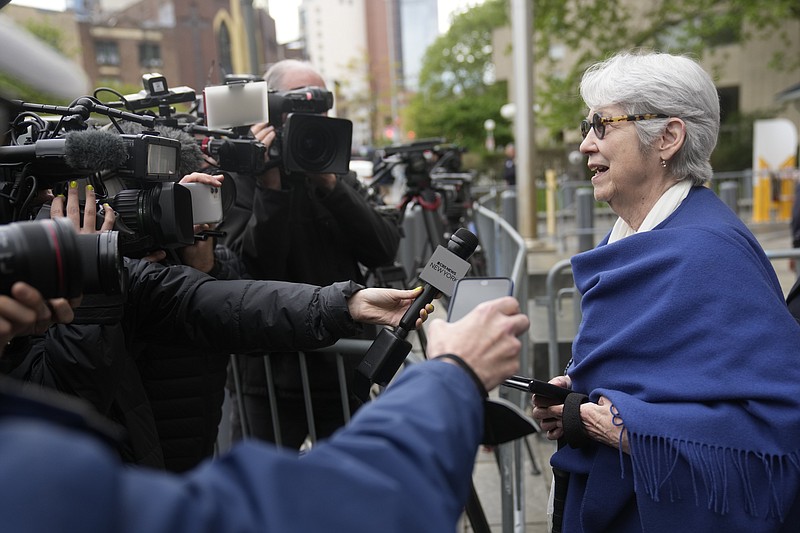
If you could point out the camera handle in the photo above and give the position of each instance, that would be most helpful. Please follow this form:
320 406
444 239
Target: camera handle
83 108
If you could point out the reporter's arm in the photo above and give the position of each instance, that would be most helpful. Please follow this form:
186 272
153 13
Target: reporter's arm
403 464
179 305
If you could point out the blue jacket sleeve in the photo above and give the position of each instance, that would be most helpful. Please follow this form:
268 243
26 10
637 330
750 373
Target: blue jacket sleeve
403 464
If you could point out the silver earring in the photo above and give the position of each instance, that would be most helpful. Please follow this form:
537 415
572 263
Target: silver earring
663 163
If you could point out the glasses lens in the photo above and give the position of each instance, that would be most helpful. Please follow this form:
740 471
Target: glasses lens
598 125
585 128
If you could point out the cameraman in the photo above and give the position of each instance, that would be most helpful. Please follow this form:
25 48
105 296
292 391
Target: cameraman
308 228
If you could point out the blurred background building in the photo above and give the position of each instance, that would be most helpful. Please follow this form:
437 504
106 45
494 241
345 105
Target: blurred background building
369 51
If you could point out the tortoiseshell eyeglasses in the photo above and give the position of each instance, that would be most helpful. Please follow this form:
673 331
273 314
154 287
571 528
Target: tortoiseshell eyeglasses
599 123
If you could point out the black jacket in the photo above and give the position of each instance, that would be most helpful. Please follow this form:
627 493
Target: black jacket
185 386
302 235
176 307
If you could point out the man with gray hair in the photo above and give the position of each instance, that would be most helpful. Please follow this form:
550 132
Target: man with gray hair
308 228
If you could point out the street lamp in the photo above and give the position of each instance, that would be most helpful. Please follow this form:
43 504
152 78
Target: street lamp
508 111
489 125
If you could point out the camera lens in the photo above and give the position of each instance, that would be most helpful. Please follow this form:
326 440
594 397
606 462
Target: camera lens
50 256
102 263
157 217
313 148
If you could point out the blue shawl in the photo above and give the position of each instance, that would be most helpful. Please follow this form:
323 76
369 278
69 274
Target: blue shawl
686 331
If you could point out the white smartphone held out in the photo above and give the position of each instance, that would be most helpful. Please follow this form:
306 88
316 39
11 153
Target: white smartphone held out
206 203
469 292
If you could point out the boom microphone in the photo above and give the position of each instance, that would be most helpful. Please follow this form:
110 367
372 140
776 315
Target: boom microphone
76 153
94 150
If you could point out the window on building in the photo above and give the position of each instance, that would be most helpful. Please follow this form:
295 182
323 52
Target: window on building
106 52
150 55
224 47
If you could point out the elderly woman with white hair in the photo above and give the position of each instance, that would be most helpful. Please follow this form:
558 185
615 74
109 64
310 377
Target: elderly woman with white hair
685 411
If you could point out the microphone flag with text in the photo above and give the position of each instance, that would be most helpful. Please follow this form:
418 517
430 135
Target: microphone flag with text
390 347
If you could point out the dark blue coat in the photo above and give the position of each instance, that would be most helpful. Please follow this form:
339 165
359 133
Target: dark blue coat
404 464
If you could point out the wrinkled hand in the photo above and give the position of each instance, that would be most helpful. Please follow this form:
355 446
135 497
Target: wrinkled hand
384 306
598 419
25 312
486 339
549 412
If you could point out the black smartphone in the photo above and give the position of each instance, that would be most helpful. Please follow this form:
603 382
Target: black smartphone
469 292
537 386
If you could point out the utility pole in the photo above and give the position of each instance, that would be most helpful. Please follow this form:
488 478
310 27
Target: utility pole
521 32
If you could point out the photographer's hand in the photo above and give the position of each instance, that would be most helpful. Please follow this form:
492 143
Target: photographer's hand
73 210
25 312
384 306
200 255
265 134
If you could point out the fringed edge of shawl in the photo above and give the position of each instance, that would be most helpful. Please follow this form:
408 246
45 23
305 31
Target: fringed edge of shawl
654 459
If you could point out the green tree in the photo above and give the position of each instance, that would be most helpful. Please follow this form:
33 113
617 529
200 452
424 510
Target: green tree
599 28
457 86
47 33
458 90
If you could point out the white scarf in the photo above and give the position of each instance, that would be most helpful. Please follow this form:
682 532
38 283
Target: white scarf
663 208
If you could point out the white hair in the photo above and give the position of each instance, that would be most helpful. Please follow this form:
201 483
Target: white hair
275 74
676 86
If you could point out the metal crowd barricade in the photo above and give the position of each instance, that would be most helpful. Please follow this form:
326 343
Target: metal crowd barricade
507 256
341 348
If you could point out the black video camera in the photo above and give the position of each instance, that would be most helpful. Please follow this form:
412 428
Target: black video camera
421 161
307 141
153 211
236 155
53 258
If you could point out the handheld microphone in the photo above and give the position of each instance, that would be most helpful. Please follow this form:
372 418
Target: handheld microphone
390 348
444 268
